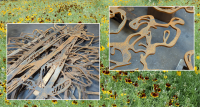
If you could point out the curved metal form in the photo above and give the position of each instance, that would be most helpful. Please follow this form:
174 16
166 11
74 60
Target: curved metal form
187 59
170 10
116 10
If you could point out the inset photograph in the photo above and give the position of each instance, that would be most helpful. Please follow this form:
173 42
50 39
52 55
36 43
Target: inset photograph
151 38
53 61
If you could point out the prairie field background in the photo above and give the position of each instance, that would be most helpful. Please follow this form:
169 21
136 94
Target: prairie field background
146 88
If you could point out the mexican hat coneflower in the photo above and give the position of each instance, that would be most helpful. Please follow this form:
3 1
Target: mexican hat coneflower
110 91
106 72
170 103
1 94
34 106
155 79
25 105
168 85
125 73
176 104
142 95
128 101
102 105
140 77
114 78
74 102
146 78
114 105
175 97
154 94
159 90
1 84
128 80
54 101
135 84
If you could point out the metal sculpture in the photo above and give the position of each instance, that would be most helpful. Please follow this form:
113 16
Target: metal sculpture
124 47
63 58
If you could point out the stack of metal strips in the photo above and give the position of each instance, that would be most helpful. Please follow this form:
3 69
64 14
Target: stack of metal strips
52 64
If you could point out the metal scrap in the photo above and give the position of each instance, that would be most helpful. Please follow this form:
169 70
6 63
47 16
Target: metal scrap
52 63
170 10
188 60
116 10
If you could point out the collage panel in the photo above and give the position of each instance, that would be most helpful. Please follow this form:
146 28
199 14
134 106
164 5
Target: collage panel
151 38
104 53
53 61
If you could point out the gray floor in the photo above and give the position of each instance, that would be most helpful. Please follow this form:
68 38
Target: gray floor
14 30
164 58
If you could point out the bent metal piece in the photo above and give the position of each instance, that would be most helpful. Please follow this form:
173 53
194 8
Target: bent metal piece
170 10
124 47
187 59
116 10
62 58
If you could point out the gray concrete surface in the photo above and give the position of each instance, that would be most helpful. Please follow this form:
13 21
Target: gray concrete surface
164 58
14 30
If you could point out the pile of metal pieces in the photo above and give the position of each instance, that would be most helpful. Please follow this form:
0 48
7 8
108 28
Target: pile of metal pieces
53 64
145 32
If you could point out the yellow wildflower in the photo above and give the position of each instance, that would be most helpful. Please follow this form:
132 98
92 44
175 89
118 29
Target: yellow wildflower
69 14
195 70
165 76
165 71
102 48
178 73
51 10
108 44
107 99
28 18
106 32
122 94
197 57
198 14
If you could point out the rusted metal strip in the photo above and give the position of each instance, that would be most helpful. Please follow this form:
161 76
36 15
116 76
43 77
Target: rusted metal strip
170 10
187 59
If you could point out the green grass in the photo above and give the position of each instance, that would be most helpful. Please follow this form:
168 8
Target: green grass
98 12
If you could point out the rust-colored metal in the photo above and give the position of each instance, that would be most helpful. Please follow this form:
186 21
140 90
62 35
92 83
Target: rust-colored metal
113 12
170 10
124 47
187 59
166 13
60 56
162 16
